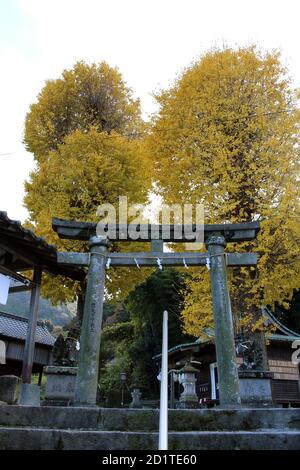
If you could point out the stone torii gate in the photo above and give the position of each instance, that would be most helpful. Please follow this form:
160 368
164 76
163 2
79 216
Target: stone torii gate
215 237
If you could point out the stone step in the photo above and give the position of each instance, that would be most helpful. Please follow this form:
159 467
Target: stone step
28 438
107 419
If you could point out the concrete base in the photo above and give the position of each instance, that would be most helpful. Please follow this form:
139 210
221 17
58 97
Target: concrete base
60 385
10 389
255 388
30 395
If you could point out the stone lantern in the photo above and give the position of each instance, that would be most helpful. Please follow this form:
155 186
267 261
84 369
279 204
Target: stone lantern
187 378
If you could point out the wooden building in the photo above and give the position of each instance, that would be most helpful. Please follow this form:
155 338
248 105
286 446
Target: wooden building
202 354
13 331
21 251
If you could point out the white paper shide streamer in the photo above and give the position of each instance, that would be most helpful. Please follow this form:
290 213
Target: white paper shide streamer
4 288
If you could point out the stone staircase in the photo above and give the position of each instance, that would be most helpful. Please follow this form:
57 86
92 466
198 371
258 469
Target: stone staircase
87 428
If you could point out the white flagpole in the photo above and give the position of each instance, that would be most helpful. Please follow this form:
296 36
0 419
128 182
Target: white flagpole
163 415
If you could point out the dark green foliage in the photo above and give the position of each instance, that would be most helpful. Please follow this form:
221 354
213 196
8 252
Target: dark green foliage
163 290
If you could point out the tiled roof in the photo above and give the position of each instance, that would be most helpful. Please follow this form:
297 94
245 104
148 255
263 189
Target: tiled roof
27 250
198 343
12 326
16 226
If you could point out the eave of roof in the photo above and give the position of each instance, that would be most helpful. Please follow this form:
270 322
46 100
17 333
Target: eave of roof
27 250
186 346
199 343
284 338
182 347
279 325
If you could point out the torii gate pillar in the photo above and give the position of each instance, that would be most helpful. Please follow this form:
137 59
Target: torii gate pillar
87 375
229 388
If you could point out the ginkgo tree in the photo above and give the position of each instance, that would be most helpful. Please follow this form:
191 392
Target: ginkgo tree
227 136
88 169
83 96
83 131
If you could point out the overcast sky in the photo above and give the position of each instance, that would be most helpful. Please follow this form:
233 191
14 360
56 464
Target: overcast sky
149 40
